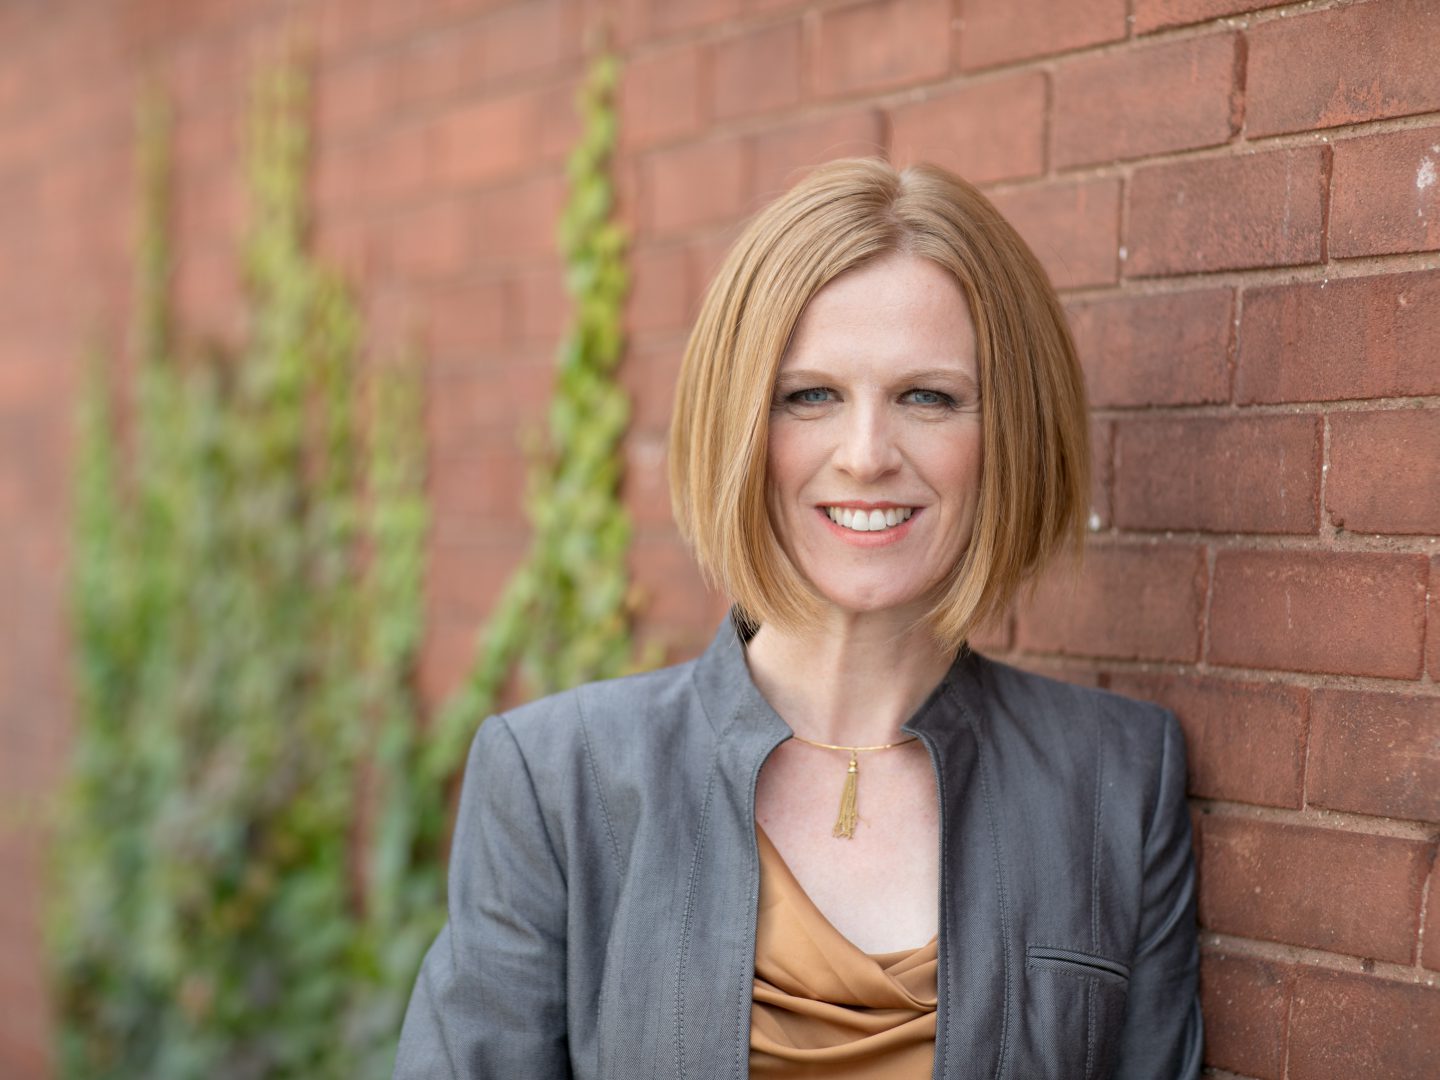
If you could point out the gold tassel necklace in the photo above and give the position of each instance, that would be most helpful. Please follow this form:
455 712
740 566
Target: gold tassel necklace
849 810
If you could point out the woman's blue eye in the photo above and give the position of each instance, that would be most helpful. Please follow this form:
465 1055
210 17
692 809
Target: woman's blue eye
931 397
816 395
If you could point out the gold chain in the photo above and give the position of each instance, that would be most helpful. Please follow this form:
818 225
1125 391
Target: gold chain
849 815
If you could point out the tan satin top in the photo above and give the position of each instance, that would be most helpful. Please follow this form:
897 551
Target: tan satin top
823 1008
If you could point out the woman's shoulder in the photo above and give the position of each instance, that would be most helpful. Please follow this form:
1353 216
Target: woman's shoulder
1044 709
659 697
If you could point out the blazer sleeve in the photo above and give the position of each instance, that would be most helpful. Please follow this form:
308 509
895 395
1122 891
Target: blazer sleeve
489 1001
1163 1037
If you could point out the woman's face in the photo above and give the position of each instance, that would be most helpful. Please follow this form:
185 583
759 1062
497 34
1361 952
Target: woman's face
875 435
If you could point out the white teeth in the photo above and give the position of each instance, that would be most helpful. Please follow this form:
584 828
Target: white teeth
868 521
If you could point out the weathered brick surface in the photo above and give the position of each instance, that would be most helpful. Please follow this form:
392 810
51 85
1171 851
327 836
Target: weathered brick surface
985 131
755 71
880 45
1167 349
1383 476
1159 14
1227 213
1342 612
1375 754
1218 474
782 155
1349 1025
1354 338
1344 892
660 96
1430 955
692 185
1385 194
1246 1002
1339 66
1246 740
1190 98
1138 601
1072 226
1432 625
997 31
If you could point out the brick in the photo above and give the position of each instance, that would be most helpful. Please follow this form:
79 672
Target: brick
659 96
1347 1024
1102 473
998 31
400 165
522 39
466 316
755 72
1341 613
487 479
1432 627
464 580
666 581
863 48
1382 476
1167 349
1354 893
355 96
1246 740
1158 14
1384 195
646 488
1375 754
1130 601
518 220
781 156
560 130
1073 228
468 403
648 375
1175 96
1228 213
1430 955
1246 1002
432 241
543 310
488 139
986 131
1218 473
1355 338
662 293
698 184
1341 66
644 19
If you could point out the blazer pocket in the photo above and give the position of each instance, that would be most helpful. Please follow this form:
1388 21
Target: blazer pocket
1070 962
1075 1009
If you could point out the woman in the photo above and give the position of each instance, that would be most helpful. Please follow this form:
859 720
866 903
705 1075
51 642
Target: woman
839 843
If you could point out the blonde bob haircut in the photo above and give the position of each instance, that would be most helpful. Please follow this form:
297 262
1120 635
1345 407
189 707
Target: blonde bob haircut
1034 486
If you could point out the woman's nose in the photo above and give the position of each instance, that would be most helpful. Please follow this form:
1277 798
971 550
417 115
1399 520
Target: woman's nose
868 449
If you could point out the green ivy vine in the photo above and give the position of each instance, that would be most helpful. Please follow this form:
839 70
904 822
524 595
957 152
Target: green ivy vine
250 859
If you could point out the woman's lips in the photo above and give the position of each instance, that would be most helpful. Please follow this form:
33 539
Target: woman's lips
883 538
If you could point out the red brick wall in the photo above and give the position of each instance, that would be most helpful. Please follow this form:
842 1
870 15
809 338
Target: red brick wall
1238 200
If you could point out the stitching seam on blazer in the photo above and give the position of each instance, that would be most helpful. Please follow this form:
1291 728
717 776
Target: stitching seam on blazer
690 887
595 779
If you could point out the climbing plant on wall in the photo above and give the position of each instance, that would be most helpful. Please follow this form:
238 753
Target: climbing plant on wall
247 612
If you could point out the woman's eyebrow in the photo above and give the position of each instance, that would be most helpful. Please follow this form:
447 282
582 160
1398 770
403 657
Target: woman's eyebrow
812 377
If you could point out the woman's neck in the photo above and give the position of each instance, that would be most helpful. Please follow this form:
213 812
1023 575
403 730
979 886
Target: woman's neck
853 682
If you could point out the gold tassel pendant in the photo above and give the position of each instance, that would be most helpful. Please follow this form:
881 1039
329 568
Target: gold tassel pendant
849 812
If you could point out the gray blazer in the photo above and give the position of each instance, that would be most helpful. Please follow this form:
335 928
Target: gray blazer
604 880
